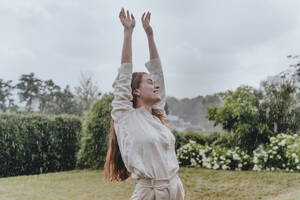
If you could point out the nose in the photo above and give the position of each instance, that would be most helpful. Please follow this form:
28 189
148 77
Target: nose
156 86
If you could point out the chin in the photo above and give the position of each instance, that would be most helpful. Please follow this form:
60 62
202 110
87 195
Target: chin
158 99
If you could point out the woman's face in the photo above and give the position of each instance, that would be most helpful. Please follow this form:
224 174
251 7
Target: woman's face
148 91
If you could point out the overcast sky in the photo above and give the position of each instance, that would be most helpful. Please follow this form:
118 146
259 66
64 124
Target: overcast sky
206 46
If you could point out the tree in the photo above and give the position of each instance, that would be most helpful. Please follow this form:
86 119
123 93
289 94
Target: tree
29 88
87 93
65 103
296 65
253 116
279 107
6 100
47 96
240 116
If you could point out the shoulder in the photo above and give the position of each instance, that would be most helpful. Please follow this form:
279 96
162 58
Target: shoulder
127 117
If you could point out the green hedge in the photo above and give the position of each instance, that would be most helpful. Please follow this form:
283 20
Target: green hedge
35 143
94 141
183 138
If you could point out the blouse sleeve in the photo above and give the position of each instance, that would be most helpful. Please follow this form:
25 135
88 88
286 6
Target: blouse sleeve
156 73
121 103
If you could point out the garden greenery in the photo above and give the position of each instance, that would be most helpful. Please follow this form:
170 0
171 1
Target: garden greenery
35 143
283 153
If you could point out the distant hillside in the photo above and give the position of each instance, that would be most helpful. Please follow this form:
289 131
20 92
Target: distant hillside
194 111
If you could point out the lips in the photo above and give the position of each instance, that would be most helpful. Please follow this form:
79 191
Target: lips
155 91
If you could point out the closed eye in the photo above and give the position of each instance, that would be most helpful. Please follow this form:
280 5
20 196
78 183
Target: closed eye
150 81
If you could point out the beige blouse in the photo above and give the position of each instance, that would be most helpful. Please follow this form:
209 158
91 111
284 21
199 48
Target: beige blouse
147 146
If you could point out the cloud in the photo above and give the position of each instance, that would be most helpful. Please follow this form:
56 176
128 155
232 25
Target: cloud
205 46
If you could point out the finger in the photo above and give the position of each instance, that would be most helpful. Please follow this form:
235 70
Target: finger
143 16
122 14
132 17
128 16
149 16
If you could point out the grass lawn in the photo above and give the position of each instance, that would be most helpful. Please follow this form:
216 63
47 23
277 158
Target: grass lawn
198 184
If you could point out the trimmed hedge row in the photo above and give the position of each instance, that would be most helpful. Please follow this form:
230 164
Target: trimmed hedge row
35 143
183 138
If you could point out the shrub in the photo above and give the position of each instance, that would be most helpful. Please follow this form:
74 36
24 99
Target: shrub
188 154
216 157
196 136
180 139
253 116
94 143
282 153
212 137
183 138
36 143
226 139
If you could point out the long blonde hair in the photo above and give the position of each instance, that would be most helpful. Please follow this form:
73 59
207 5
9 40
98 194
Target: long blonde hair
114 167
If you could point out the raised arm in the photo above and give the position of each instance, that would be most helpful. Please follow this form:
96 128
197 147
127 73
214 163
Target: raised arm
154 64
122 84
149 32
128 24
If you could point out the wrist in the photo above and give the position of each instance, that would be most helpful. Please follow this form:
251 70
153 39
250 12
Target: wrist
128 31
150 37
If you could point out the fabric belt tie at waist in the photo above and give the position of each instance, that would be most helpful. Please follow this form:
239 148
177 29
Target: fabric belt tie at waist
155 184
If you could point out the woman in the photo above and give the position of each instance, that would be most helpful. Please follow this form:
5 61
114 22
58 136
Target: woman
140 143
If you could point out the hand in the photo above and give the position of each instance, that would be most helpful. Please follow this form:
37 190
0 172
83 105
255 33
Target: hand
127 22
146 23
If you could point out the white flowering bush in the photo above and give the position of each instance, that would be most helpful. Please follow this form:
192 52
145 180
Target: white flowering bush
240 160
260 158
196 155
188 154
293 155
282 153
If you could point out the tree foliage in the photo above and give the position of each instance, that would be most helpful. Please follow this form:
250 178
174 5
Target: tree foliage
253 116
29 89
93 145
46 97
87 92
6 100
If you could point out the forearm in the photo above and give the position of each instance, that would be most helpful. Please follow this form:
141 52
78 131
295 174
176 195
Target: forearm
127 47
152 48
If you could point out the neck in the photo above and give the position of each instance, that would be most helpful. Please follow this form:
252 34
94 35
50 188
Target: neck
148 107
